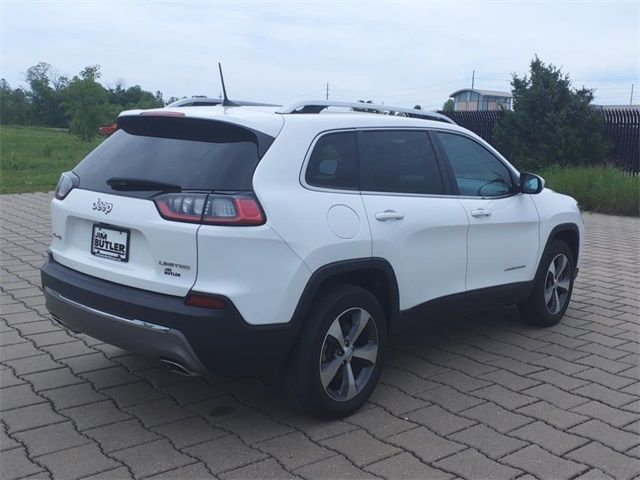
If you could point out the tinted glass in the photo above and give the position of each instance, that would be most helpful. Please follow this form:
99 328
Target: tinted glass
205 155
333 162
398 161
478 172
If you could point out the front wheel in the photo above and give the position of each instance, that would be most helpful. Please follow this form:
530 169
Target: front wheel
338 359
549 298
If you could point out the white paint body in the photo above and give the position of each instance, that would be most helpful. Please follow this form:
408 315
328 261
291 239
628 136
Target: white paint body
435 246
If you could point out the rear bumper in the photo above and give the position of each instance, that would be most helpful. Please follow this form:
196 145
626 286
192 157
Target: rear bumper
163 327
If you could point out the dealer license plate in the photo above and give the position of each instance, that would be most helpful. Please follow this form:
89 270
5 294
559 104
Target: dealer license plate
110 242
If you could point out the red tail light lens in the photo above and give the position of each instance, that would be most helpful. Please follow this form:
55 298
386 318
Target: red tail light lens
67 182
212 209
206 301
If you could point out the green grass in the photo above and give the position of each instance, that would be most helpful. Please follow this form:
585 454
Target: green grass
597 189
32 158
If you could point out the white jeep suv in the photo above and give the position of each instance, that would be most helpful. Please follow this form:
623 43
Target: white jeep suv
252 240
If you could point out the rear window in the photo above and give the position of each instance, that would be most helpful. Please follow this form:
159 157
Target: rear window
195 154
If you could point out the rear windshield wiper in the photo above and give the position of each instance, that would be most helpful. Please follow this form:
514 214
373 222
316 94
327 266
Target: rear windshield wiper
139 184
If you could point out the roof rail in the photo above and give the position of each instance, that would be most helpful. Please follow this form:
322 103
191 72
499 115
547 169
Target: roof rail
316 106
206 102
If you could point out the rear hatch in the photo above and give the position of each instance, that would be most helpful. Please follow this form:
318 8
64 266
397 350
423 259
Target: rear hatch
110 226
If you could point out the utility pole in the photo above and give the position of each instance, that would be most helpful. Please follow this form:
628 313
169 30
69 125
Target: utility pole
327 90
631 100
473 79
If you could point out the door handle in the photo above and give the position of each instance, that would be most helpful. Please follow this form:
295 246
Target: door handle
480 212
388 215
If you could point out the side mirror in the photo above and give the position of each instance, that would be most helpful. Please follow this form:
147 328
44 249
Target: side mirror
530 183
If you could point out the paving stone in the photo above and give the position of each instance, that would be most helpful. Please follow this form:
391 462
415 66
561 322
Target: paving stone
472 464
608 460
604 394
20 350
16 464
604 378
496 417
38 363
194 471
558 379
117 436
504 397
95 415
77 462
152 458
406 466
294 450
225 453
555 396
549 438
33 416
397 402
133 394
255 428
360 447
548 413
379 423
450 399
110 377
543 464
6 442
493 444
120 473
18 396
332 468
405 381
8 379
51 338
158 412
439 420
594 474
52 379
602 363
425 444
194 391
460 381
88 363
67 350
73 396
510 380
52 438
267 469
607 414
615 438
318 429
189 431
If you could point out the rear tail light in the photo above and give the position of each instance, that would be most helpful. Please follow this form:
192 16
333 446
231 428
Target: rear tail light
203 300
211 209
67 182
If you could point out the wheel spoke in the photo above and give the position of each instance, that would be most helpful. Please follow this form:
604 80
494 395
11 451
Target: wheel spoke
368 352
552 268
329 370
360 321
564 284
556 302
562 260
548 294
336 332
348 388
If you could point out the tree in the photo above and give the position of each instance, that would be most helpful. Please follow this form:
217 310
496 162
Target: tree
551 122
448 106
14 105
44 98
86 103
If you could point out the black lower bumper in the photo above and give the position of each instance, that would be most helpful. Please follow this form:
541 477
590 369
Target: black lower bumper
162 326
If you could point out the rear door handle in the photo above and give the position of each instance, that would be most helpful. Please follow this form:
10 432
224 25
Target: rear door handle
388 215
480 212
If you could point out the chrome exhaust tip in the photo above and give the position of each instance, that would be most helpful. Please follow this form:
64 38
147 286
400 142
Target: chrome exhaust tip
177 367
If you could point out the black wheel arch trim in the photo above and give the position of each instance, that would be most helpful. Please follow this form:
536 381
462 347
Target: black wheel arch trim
344 267
562 227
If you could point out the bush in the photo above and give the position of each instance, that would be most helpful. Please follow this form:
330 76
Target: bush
597 189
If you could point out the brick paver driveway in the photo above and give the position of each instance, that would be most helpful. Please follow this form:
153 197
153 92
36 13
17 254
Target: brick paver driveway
481 397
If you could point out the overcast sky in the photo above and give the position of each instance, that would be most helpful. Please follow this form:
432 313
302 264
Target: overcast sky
402 53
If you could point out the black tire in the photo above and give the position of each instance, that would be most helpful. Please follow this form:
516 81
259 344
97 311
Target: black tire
304 380
535 309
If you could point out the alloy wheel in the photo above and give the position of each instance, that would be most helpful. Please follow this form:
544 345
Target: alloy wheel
349 354
557 284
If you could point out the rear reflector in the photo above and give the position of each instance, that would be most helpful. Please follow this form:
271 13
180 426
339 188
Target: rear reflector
211 209
205 301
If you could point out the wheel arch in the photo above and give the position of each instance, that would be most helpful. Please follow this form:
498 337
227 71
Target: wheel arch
570 234
373 274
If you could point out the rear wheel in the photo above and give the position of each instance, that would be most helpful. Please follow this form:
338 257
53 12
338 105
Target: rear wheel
553 286
338 360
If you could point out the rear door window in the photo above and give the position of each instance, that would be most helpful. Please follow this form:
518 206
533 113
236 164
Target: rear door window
400 161
333 162
194 154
